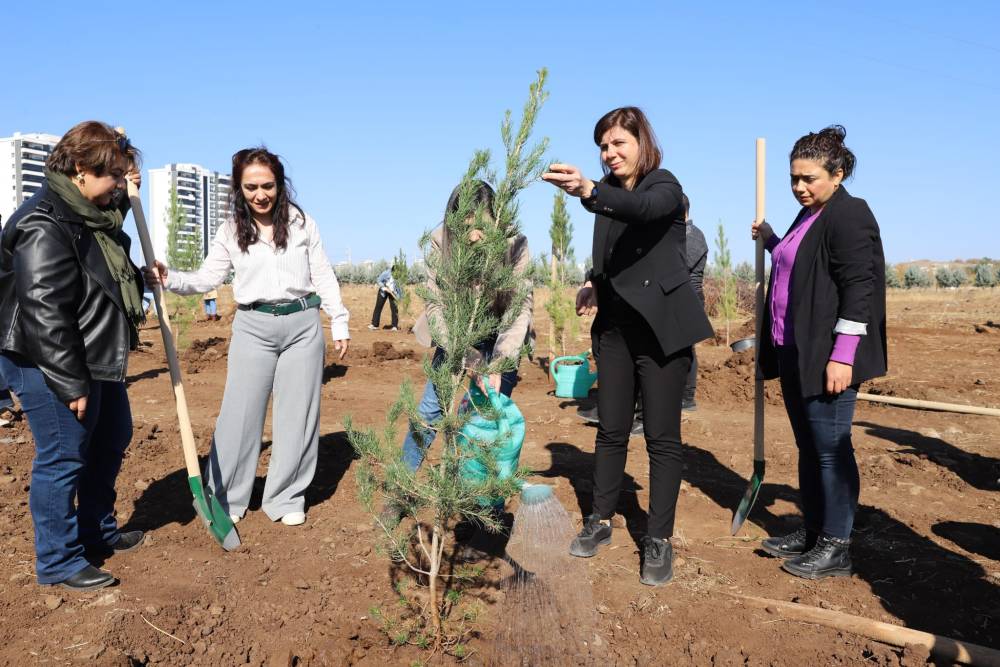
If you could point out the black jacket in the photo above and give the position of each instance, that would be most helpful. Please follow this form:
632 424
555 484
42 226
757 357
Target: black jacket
640 252
839 273
60 308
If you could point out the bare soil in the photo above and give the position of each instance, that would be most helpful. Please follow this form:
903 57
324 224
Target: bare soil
926 552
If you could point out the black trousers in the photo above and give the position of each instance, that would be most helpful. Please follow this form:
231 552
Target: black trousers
379 303
630 355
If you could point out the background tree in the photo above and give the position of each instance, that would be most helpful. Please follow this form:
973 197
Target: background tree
469 277
914 276
984 276
184 252
401 274
727 305
892 277
560 306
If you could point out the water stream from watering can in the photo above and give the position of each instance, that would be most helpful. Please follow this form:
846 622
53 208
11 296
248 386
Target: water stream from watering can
547 608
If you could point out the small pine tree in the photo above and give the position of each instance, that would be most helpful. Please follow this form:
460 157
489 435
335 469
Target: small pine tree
469 277
560 306
401 274
727 281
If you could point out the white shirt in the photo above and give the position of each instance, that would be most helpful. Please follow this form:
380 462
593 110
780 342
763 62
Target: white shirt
269 275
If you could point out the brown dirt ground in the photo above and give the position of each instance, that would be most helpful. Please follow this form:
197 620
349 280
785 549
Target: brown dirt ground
927 550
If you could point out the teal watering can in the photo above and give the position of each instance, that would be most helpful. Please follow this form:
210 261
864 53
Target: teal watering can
507 430
572 375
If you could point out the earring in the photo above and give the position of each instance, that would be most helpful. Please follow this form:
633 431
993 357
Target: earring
79 179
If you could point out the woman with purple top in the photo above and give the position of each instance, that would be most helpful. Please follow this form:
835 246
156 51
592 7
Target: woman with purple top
824 334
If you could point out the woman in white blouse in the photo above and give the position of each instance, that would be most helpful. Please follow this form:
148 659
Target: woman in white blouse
282 276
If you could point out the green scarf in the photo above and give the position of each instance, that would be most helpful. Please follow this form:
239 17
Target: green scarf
106 224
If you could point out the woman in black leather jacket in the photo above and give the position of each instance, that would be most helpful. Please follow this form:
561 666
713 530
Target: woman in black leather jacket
70 304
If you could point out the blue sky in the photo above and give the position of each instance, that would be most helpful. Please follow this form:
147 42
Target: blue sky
377 109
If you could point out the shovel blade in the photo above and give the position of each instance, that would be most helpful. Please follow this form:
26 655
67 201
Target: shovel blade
215 518
749 497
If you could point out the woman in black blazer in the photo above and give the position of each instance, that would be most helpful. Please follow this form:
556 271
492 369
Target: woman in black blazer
823 335
648 317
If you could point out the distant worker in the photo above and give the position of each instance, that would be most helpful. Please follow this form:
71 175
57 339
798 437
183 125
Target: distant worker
388 290
209 299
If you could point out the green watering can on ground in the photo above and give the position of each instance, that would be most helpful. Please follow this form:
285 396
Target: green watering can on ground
572 375
505 434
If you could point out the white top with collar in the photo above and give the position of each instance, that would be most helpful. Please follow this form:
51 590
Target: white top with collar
269 275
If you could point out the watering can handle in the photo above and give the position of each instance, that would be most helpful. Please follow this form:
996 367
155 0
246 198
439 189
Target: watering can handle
559 360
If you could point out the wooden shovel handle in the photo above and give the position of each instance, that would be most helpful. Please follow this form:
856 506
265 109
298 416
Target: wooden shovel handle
187 435
758 387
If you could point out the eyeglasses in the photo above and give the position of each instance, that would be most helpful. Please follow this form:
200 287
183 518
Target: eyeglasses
123 142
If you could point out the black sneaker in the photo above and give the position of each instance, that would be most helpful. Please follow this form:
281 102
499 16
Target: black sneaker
588 415
657 567
593 535
637 429
688 405
829 558
789 546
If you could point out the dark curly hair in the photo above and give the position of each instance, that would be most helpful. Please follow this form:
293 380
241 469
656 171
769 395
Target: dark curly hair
826 147
246 230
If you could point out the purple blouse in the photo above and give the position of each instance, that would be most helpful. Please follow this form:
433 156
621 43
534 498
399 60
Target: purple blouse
783 252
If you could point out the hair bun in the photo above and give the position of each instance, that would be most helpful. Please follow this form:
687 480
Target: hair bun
835 132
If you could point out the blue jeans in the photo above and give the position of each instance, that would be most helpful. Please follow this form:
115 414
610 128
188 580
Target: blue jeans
430 411
5 399
828 472
72 495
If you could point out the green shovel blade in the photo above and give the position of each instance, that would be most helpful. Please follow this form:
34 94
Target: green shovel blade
749 497
216 519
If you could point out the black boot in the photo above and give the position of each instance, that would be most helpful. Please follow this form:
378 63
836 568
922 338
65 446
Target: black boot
829 558
88 579
593 535
789 546
657 566
133 539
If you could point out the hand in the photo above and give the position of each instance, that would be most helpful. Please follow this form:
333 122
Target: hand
475 235
154 278
493 381
586 300
78 406
838 377
341 346
135 176
762 229
569 178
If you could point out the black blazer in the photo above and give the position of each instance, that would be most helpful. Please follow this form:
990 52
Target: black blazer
839 273
640 251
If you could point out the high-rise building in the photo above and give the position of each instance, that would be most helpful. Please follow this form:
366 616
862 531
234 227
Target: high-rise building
203 195
22 168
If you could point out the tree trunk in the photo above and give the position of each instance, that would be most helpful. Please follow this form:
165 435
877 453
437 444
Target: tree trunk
433 584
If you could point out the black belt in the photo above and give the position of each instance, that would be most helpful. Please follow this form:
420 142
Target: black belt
284 307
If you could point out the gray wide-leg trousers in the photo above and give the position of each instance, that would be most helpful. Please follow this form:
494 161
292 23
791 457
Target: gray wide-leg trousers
269 354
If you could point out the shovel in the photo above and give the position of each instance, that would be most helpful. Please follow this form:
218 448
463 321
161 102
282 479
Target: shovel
216 519
758 387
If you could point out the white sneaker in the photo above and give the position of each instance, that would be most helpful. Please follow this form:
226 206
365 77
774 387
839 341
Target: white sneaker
372 327
235 517
394 329
294 519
